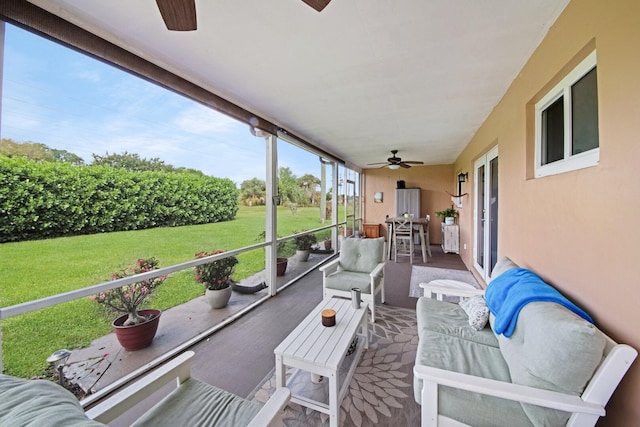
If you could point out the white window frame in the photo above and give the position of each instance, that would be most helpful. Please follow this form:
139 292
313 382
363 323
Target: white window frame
570 161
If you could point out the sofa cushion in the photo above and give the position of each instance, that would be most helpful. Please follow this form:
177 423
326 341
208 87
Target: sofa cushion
361 255
39 403
196 403
450 319
507 294
477 311
452 353
554 349
501 266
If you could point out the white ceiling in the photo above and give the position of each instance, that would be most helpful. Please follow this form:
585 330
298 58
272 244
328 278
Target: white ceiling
358 79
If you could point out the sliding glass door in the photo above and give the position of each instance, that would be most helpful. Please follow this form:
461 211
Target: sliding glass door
485 252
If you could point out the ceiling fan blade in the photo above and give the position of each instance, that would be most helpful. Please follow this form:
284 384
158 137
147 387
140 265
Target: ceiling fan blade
414 162
317 4
404 165
178 15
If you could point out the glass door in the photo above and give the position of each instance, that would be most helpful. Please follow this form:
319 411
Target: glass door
485 251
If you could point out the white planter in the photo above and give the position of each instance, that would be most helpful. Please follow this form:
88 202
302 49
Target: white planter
218 298
449 220
302 256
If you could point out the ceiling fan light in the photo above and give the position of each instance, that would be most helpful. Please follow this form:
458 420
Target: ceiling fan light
394 167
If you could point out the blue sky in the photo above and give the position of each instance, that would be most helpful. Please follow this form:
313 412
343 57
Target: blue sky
66 100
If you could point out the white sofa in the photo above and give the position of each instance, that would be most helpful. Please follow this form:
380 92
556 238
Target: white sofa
555 369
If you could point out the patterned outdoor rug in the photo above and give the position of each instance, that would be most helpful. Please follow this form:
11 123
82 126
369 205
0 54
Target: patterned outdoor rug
421 274
381 391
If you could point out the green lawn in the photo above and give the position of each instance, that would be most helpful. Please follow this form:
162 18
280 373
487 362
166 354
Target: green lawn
36 269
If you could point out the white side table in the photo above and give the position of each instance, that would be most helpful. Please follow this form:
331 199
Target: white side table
450 238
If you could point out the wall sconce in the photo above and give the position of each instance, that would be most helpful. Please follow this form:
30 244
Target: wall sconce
462 177
394 167
57 359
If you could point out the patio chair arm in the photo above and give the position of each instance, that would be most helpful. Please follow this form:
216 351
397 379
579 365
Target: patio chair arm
376 271
327 268
122 401
441 290
505 390
269 415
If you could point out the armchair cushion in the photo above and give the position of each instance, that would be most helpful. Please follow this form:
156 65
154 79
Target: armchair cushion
345 280
39 403
361 255
197 403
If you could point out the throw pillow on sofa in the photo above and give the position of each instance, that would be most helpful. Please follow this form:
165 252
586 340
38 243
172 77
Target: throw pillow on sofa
477 311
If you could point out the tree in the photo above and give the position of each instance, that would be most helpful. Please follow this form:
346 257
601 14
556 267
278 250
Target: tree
38 152
132 162
253 192
309 184
288 188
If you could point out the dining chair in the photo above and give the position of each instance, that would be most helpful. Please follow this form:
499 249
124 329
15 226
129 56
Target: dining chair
427 241
403 237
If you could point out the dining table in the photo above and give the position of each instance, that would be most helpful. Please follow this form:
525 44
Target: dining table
419 224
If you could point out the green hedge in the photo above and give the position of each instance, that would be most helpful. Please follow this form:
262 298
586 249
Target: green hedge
52 199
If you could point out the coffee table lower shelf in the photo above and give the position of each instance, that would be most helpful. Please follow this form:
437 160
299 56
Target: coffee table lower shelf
316 396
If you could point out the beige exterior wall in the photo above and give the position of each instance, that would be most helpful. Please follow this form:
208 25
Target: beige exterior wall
433 181
578 230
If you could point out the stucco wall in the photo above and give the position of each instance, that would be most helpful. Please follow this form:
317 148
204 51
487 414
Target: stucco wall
433 181
578 230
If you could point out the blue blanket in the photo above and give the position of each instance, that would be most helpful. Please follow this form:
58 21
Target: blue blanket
513 289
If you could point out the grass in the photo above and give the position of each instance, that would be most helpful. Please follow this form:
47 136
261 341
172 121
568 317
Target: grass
37 269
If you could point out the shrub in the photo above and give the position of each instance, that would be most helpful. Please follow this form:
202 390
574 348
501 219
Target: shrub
53 199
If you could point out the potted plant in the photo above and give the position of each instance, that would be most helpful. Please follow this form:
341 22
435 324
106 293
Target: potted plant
135 328
304 244
216 277
448 215
281 260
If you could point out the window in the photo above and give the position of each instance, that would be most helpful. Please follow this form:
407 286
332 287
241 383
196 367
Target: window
567 122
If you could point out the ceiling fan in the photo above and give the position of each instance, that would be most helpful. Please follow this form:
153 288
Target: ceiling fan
394 162
180 15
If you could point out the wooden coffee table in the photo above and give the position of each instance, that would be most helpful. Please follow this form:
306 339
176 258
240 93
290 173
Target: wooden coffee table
321 350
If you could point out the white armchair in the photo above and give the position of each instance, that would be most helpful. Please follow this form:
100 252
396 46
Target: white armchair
184 406
194 403
360 265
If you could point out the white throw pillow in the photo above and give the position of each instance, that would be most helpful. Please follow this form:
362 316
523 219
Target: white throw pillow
477 310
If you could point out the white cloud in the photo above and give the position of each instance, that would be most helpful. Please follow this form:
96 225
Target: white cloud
202 120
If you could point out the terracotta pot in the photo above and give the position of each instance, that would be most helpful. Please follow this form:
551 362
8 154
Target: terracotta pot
218 298
136 337
281 266
327 244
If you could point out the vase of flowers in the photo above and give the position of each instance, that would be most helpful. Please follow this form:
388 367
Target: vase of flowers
135 328
216 277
